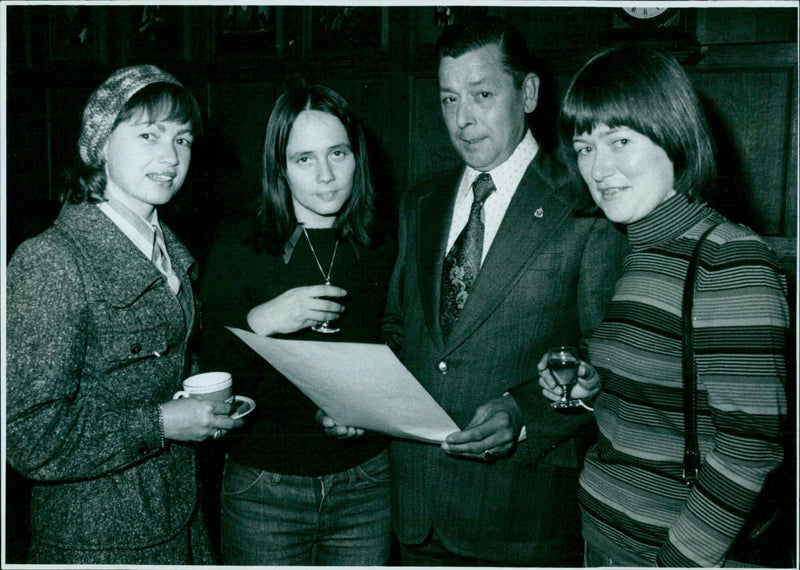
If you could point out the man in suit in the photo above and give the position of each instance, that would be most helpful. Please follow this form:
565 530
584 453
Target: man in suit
503 491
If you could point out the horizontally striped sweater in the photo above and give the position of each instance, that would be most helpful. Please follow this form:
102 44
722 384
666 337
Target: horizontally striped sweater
634 500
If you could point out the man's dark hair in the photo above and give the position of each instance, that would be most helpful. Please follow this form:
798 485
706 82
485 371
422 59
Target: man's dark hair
458 39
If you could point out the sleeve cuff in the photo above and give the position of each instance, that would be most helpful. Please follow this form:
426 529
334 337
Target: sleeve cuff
147 431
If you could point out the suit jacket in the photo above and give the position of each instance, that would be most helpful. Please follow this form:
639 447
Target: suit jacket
545 281
96 340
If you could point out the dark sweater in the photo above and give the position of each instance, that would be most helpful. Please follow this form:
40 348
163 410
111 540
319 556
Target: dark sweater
245 269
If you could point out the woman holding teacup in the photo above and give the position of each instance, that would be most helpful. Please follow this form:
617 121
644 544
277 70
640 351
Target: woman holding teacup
640 142
100 311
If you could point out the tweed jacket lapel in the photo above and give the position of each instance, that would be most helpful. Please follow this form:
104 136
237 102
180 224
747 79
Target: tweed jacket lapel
538 208
435 209
125 272
182 261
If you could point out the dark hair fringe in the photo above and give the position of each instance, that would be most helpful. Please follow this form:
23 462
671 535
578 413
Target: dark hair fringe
642 87
167 102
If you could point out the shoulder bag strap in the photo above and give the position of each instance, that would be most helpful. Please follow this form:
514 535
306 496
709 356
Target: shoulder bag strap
691 450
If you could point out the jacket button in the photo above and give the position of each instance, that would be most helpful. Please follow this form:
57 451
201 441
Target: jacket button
443 367
136 348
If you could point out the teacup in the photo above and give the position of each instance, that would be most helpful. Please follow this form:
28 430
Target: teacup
207 386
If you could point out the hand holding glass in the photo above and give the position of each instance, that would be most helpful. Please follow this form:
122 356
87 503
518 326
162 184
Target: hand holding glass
325 327
563 363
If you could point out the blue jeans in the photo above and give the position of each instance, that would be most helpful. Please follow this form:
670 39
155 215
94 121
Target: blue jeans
341 519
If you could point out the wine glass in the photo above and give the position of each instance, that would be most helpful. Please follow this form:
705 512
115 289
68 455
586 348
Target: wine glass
563 362
325 327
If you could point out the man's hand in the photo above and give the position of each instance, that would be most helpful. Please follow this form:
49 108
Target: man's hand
492 432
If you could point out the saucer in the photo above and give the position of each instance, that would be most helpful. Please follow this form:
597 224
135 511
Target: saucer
242 406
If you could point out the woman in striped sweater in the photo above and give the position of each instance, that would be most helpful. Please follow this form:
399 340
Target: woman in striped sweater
643 148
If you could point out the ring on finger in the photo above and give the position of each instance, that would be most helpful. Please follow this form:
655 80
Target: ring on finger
487 455
218 434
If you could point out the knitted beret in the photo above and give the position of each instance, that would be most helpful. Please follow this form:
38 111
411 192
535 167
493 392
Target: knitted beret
107 101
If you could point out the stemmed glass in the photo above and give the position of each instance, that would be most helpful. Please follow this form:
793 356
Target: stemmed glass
563 362
325 327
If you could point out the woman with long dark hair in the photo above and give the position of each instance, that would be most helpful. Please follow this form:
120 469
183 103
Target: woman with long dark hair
303 268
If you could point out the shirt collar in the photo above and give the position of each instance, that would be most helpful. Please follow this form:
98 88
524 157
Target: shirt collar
294 239
291 243
135 228
145 227
506 176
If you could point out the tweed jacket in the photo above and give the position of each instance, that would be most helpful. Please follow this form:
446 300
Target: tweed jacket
96 340
545 281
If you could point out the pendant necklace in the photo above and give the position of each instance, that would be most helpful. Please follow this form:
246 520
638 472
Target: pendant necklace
327 277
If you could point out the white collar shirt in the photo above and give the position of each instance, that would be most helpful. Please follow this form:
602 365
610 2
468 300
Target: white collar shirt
506 178
139 231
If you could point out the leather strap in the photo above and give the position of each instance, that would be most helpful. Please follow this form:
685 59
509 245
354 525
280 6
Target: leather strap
691 449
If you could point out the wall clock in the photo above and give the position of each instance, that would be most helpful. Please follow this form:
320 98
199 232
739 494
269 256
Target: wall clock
672 29
647 16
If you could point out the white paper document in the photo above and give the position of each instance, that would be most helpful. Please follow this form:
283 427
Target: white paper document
357 384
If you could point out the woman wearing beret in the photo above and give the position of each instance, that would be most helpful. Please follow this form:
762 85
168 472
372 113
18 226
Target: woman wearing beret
100 311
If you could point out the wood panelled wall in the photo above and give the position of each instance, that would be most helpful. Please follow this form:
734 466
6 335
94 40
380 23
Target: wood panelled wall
744 64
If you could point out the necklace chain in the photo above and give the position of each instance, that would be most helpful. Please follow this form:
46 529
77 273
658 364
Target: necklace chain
327 277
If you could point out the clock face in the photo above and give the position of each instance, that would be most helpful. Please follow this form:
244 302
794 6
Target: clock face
646 16
644 12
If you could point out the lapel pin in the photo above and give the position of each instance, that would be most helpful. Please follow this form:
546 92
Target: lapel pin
539 213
